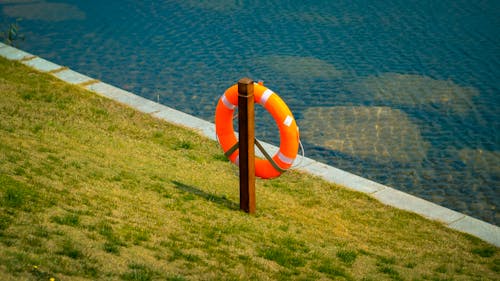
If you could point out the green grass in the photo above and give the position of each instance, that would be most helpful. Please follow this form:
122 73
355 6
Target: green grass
93 190
347 256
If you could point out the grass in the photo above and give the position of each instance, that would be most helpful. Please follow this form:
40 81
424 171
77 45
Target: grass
91 189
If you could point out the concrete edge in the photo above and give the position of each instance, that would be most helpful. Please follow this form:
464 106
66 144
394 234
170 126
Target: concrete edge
12 53
387 195
478 228
41 64
72 77
405 201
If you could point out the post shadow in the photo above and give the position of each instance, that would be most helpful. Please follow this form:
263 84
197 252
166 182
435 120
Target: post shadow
205 195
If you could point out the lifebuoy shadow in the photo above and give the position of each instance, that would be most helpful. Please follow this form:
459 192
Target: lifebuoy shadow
221 200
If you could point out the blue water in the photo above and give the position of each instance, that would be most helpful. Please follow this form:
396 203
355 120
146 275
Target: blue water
317 54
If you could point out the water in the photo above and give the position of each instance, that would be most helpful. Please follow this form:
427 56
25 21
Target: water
402 92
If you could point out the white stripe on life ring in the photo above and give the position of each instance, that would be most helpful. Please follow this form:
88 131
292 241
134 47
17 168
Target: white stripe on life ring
288 121
265 96
285 159
226 102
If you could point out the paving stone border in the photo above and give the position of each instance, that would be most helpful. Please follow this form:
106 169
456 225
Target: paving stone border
387 195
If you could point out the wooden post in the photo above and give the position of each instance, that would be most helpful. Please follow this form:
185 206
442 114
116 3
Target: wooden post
246 127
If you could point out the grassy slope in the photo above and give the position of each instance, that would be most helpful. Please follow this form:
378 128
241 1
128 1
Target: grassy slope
91 189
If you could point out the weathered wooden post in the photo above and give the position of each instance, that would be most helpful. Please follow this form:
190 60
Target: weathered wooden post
246 127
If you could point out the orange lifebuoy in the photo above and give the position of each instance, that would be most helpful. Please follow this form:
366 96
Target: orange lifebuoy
289 131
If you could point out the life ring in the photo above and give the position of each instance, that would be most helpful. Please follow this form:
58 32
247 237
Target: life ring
289 131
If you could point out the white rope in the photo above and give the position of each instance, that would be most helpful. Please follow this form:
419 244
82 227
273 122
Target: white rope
303 156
